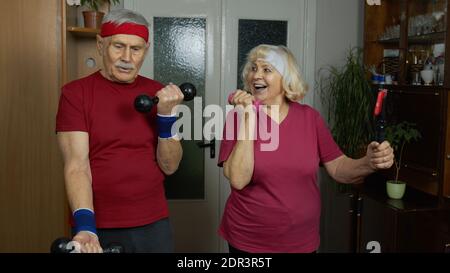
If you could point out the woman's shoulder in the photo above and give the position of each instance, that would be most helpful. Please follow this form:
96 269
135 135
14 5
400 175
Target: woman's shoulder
304 109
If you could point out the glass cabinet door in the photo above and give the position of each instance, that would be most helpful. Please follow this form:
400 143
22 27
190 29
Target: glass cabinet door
427 21
382 42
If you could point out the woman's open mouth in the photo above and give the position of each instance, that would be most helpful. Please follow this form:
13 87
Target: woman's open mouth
259 87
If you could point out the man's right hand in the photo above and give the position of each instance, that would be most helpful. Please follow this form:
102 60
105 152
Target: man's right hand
88 241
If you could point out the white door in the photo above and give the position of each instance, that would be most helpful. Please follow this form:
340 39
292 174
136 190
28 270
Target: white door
186 48
202 41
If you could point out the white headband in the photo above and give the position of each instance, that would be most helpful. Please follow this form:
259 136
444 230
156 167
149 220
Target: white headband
276 60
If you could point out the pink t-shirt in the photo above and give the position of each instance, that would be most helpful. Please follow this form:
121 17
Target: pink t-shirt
128 185
279 211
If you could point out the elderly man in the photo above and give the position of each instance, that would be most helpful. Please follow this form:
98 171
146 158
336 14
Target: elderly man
115 158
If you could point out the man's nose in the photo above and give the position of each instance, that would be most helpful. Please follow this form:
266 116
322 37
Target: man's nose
126 55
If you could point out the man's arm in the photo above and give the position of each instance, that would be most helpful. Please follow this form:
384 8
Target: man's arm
78 180
169 153
77 172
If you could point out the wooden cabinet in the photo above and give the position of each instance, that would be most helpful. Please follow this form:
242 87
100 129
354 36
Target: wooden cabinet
417 223
79 52
403 38
365 220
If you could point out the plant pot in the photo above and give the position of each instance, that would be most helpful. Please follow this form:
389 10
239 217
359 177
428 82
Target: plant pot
395 190
93 19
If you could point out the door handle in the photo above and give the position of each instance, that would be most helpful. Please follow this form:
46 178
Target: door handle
211 145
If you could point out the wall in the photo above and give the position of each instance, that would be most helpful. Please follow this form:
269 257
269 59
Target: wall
340 26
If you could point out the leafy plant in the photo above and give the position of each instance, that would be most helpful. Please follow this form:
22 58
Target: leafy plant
95 4
347 93
399 135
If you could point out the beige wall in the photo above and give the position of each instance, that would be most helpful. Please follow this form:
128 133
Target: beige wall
340 25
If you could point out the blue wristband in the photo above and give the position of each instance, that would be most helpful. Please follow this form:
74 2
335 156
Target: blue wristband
165 126
84 221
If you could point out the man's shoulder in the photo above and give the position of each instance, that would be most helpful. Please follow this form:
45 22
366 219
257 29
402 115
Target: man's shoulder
76 84
150 82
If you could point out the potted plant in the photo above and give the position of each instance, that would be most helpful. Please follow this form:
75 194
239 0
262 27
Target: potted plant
347 96
93 17
399 135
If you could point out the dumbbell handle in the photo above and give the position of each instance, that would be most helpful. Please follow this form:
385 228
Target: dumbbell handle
144 103
61 245
256 103
379 114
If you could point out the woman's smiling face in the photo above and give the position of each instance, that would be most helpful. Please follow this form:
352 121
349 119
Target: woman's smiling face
265 82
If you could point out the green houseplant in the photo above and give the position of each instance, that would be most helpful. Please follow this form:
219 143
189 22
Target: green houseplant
346 95
93 17
399 135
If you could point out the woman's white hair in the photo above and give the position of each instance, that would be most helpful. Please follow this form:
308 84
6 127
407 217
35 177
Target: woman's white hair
293 84
121 16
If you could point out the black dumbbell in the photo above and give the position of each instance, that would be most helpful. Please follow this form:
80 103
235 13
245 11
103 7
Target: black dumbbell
144 103
60 245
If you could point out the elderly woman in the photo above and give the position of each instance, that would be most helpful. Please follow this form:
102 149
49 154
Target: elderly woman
274 205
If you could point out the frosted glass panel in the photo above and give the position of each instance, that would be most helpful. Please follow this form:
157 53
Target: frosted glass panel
180 56
256 32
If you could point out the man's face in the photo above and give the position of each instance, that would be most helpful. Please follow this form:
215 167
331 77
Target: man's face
123 56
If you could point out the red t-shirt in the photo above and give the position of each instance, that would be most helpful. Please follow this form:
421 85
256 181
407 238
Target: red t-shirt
127 182
279 211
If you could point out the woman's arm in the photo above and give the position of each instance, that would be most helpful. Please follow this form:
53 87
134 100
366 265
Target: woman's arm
347 170
240 164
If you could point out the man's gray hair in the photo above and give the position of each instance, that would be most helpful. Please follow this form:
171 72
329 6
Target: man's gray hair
121 16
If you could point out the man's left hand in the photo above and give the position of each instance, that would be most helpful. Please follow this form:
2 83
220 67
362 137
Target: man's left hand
169 97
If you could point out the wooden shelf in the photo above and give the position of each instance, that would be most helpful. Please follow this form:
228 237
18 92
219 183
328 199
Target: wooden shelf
431 38
413 88
83 32
390 41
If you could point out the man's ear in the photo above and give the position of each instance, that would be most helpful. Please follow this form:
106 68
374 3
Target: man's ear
147 47
100 44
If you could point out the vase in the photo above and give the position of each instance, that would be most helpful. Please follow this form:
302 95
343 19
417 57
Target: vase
93 19
395 189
